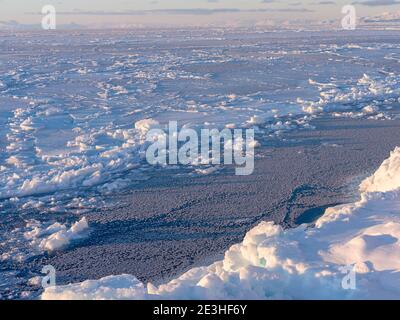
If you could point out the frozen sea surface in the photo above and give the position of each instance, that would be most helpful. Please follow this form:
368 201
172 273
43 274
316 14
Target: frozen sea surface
69 102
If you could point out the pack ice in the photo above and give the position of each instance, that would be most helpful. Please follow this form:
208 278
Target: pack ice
302 263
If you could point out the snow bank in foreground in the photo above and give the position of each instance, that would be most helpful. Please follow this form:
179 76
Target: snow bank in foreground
108 288
386 178
302 263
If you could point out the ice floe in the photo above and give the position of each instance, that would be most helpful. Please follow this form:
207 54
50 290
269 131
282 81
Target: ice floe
309 262
36 238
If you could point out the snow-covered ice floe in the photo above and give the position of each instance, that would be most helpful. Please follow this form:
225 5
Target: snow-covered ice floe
302 263
36 238
56 236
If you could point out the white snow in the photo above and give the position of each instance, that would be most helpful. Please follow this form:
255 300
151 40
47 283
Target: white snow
114 287
146 125
342 98
370 109
38 237
386 178
56 236
302 263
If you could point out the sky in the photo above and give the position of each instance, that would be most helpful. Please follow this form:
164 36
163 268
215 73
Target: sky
119 13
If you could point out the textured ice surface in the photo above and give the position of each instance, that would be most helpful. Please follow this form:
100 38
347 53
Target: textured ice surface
70 104
302 263
75 106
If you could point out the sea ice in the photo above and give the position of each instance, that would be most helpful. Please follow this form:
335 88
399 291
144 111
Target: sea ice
302 263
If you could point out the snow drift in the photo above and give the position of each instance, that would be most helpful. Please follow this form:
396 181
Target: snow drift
37 237
302 263
57 235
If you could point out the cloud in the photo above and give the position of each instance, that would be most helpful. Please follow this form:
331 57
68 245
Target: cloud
147 12
378 3
289 10
15 25
195 11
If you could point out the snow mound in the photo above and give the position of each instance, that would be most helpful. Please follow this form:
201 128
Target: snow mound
144 126
387 178
360 239
56 236
114 287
